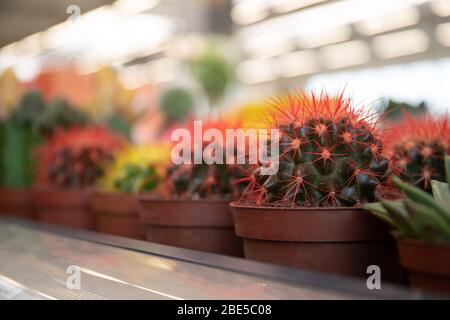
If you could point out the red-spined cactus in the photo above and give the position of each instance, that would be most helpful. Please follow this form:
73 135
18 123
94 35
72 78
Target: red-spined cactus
331 154
207 181
73 158
418 148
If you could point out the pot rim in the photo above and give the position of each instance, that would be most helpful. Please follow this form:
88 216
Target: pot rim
98 192
4 188
420 242
148 198
236 204
48 188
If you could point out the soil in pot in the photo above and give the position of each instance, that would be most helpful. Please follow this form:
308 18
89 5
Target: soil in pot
63 206
204 225
344 241
428 265
117 214
16 202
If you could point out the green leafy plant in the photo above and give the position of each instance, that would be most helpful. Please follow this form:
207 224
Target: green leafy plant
176 103
331 155
419 215
213 73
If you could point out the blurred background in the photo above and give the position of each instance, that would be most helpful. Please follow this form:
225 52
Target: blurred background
145 64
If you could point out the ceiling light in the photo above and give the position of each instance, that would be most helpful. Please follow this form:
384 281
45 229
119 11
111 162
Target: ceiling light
440 7
318 39
268 45
400 43
299 63
443 34
389 21
135 6
345 54
327 16
246 12
282 6
255 71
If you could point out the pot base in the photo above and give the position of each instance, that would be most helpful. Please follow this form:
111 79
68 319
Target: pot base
16 202
117 214
428 265
204 225
345 258
343 241
64 207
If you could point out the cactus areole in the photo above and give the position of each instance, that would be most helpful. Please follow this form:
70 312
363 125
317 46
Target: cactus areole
331 155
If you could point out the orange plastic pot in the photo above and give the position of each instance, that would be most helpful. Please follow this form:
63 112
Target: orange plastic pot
117 214
16 202
428 265
205 225
63 206
336 240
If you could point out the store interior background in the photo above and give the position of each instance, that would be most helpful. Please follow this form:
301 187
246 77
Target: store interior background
126 53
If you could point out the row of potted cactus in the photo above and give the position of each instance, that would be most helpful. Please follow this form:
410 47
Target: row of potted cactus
335 162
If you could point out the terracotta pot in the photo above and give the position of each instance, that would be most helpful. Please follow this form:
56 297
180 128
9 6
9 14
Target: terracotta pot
117 214
337 240
63 206
16 202
428 265
205 225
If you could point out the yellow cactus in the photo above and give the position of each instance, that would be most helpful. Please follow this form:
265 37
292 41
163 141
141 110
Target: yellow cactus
136 168
252 115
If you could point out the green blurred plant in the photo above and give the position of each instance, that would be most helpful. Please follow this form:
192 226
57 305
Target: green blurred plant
393 110
20 137
59 113
118 123
213 73
176 103
420 215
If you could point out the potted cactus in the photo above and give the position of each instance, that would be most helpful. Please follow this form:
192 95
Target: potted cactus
191 209
70 162
422 229
24 129
417 149
134 170
309 213
19 138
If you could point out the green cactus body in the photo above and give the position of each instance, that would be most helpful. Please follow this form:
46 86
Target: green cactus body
202 181
2 147
206 180
418 150
19 138
18 154
330 155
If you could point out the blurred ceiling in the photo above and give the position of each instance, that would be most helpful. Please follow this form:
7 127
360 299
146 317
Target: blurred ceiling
20 18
